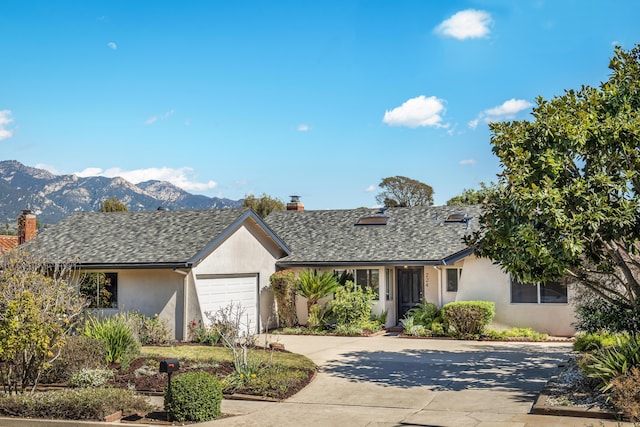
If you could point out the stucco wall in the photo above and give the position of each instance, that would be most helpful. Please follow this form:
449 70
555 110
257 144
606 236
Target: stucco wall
153 292
482 280
246 251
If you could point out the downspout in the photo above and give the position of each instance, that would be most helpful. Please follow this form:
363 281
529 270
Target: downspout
185 303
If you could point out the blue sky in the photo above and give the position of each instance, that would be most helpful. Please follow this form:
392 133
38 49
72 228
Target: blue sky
320 99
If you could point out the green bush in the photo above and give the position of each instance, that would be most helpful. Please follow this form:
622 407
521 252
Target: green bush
351 305
608 363
194 396
77 353
424 314
90 378
118 335
204 334
596 340
526 333
283 285
349 329
468 318
73 404
595 314
150 330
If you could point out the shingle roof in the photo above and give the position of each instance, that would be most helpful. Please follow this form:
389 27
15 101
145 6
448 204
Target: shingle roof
8 242
137 238
416 234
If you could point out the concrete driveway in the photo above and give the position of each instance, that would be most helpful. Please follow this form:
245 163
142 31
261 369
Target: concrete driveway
392 381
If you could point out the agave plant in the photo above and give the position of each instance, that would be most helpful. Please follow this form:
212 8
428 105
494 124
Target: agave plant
313 286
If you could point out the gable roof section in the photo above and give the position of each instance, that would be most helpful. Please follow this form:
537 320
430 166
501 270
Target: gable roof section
143 239
8 242
416 235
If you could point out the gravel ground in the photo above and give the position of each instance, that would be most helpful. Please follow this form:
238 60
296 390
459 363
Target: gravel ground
572 388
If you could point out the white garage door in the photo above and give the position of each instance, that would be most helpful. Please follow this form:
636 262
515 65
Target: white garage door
215 293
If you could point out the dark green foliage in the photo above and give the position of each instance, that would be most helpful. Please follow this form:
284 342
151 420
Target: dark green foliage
194 396
78 352
597 314
313 286
73 404
468 318
568 194
344 277
473 197
424 314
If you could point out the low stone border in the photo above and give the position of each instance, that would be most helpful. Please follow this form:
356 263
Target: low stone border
541 406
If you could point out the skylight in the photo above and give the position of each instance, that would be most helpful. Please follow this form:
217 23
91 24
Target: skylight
457 217
373 220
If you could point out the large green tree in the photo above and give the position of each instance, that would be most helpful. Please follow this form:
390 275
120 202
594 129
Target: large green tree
471 196
400 191
568 200
263 205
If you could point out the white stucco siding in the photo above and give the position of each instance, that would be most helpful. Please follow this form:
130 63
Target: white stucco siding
153 292
244 252
483 280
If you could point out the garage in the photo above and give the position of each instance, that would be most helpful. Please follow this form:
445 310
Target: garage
216 292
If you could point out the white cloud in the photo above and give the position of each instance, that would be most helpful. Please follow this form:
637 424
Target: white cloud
371 188
151 120
112 45
505 111
303 127
5 120
466 24
467 162
415 112
182 177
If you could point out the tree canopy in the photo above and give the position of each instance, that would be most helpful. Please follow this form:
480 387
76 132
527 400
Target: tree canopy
568 200
472 196
400 191
113 204
263 205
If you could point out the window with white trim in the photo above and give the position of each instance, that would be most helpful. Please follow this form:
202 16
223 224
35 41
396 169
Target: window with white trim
539 293
100 289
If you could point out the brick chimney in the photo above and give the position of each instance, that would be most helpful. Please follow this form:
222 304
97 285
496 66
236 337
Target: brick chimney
26 226
295 204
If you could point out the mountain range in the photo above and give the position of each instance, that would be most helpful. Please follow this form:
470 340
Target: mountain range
53 197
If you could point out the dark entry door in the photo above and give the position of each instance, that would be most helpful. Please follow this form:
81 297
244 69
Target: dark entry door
409 289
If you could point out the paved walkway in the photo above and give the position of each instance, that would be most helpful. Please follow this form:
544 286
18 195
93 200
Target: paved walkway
392 381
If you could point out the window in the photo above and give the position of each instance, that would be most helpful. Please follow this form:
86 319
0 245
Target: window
389 284
539 293
369 279
101 289
373 220
453 276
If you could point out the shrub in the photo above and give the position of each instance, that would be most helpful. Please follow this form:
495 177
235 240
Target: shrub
468 318
78 352
424 313
204 334
352 305
608 363
118 335
319 316
314 286
527 333
595 314
595 341
380 319
625 394
194 396
283 284
73 404
90 378
349 329
150 330
437 329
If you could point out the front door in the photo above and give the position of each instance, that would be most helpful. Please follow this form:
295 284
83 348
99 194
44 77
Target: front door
409 289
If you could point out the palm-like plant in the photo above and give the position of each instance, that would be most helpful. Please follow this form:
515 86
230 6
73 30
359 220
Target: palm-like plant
313 286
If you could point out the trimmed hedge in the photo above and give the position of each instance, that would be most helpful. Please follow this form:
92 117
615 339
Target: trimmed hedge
75 404
466 319
195 396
